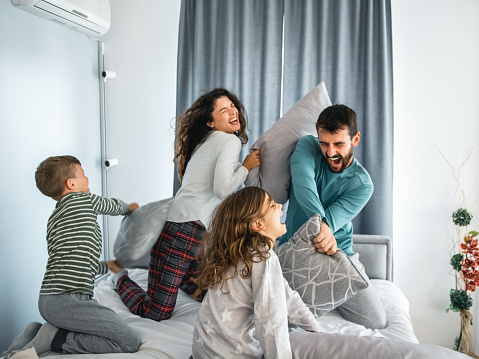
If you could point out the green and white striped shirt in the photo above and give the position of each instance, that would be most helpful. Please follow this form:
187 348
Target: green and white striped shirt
74 242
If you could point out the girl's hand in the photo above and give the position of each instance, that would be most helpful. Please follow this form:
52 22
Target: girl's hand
252 160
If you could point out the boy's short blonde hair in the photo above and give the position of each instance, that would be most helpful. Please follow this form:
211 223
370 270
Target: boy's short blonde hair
52 174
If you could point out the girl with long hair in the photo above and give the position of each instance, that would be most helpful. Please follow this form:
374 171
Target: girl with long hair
207 147
248 304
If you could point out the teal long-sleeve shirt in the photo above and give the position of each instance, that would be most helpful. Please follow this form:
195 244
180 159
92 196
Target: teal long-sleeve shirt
337 197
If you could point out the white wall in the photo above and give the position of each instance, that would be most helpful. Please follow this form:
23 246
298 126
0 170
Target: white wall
436 92
49 105
141 46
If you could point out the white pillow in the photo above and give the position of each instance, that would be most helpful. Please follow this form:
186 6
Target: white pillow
139 232
278 143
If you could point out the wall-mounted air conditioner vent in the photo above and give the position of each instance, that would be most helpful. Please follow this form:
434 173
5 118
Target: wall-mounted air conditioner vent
91 17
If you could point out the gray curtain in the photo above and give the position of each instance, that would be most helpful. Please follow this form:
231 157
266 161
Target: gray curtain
235 44
347 44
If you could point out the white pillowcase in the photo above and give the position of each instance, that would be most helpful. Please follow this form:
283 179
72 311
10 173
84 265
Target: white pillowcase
139 232
278 143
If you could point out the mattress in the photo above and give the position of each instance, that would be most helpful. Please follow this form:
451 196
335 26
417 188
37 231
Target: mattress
172 338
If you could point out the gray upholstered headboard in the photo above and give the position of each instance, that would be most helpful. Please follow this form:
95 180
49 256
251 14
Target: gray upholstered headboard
375 253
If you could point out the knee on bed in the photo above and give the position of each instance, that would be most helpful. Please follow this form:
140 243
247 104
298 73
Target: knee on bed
132 344
372 317
376 320
159 315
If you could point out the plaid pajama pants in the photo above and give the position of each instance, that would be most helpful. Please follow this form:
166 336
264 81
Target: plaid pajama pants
172 265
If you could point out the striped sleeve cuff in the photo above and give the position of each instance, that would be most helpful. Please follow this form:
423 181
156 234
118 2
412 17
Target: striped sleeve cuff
102 268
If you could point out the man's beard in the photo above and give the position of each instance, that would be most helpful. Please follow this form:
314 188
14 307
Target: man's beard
343 160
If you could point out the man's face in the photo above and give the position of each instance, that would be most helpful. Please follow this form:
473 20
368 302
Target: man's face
337 148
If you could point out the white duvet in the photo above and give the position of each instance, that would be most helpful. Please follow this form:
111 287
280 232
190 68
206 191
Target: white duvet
172 338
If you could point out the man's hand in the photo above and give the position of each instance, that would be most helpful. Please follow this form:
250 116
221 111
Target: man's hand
325 241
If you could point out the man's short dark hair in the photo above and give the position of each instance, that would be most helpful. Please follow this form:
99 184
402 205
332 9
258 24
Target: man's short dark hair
336 118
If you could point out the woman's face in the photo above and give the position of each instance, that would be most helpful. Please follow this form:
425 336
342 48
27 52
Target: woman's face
270 225
225 116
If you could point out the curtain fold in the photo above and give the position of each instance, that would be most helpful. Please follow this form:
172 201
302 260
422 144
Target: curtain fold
348 45
236 45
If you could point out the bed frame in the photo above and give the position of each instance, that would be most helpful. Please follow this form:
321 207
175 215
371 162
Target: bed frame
375 253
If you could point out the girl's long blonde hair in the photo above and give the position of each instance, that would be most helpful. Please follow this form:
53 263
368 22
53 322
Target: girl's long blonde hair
231 238
193 128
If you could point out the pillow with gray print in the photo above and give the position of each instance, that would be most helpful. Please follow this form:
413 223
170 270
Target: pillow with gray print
323 282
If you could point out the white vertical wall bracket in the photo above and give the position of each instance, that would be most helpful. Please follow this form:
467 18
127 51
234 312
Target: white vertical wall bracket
105 161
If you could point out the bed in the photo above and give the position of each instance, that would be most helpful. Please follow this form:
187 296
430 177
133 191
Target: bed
172 338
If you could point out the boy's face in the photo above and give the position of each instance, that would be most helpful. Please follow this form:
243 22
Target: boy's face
80 181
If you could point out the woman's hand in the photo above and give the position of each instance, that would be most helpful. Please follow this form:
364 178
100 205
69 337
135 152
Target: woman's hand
252 160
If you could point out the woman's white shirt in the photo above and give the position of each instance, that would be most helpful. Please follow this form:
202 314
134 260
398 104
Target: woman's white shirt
212 173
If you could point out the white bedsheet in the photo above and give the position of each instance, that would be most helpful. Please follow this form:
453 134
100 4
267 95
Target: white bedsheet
172 338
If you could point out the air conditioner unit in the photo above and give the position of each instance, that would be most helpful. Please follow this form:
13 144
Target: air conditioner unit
91 17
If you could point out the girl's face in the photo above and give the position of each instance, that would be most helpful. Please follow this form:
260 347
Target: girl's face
270 225
225 116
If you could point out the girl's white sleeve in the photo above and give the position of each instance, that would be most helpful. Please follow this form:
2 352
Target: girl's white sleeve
270 308
298 313
229 174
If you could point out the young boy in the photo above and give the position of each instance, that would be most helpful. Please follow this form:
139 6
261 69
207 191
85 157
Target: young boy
75 322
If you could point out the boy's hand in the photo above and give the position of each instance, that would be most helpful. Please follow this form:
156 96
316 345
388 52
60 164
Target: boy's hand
133 206
114 266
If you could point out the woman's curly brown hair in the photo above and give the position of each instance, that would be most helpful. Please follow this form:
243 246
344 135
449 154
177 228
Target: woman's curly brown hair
231 238
193 128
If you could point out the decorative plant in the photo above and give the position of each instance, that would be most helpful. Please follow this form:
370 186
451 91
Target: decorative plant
464 261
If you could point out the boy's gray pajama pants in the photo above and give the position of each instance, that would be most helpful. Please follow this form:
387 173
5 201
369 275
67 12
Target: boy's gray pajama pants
88 327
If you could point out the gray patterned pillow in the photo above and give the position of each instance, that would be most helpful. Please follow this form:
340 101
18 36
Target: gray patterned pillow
323 282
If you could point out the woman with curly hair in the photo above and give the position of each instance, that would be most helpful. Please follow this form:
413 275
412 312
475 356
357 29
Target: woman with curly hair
248 304
207 147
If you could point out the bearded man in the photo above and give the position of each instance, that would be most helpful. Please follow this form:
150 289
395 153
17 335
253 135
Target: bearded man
328 180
